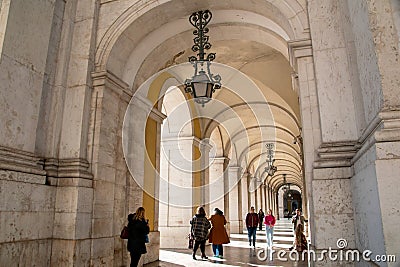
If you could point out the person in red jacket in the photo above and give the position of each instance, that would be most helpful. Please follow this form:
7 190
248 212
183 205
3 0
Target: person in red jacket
251 224
269 227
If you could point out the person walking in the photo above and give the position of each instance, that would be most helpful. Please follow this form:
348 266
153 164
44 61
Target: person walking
251 225
199 231
138 229
260 219
218 234
269 227
300 239
298 219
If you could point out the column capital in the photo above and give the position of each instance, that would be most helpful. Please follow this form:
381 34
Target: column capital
232 167
145 104
297 49
173 139
157 115
203 144
336 154
391 126
109 80
220 160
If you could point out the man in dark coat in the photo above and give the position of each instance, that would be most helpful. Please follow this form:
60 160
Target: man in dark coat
251 224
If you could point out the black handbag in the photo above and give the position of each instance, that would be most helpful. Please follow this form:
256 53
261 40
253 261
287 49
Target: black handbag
191 241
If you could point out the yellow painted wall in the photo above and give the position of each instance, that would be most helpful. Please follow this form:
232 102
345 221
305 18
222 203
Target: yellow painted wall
150 171
196 176
150 161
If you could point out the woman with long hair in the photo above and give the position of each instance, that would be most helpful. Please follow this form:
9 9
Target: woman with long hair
269 227
138 228
218 234
199 231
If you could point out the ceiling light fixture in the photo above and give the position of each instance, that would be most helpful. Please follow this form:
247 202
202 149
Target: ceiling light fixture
203 83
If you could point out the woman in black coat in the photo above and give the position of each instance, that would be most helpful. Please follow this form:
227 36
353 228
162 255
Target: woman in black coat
138 228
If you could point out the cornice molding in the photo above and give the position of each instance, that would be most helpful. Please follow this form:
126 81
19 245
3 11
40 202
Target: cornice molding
20 161
109 80
385 127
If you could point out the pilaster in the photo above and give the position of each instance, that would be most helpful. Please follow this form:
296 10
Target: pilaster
304 80
245 201
234 176
176 190
217 183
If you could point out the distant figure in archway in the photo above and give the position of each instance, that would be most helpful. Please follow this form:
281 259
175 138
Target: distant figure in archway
199 230
261 216
218 234
138 229
269 227
251 225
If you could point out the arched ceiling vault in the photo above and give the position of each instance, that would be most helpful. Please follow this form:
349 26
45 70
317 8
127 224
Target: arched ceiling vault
288 18
279 155
250 36
275 181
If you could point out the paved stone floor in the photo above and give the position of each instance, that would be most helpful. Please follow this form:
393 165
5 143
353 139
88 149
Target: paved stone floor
238 252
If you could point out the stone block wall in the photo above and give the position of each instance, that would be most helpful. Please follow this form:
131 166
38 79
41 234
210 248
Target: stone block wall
367 210
26 219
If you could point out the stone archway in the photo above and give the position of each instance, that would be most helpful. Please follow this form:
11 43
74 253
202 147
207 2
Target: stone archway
134 66
333 66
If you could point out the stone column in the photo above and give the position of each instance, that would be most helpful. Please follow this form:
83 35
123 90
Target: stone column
270 203
176 189
112 197
259 198
377 163
264 199
301 58
234 219
245 204
217 183
204 170
74 177
140 132
277 204
27 202
251 191
273 198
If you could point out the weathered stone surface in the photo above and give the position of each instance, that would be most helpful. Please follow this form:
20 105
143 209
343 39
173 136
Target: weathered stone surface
26 253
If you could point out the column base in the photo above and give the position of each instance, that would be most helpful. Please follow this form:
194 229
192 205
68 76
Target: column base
236 227
153 248
174 237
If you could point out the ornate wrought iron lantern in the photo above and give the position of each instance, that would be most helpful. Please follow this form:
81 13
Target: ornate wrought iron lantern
286 187
203 84
270 169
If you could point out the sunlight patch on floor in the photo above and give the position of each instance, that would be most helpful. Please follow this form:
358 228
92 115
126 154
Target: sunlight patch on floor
186 259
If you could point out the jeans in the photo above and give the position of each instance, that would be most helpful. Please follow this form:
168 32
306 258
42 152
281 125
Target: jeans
202 245
251 231
270 234
218 250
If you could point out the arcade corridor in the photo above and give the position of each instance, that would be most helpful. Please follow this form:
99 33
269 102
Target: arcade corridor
107 106
237 253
